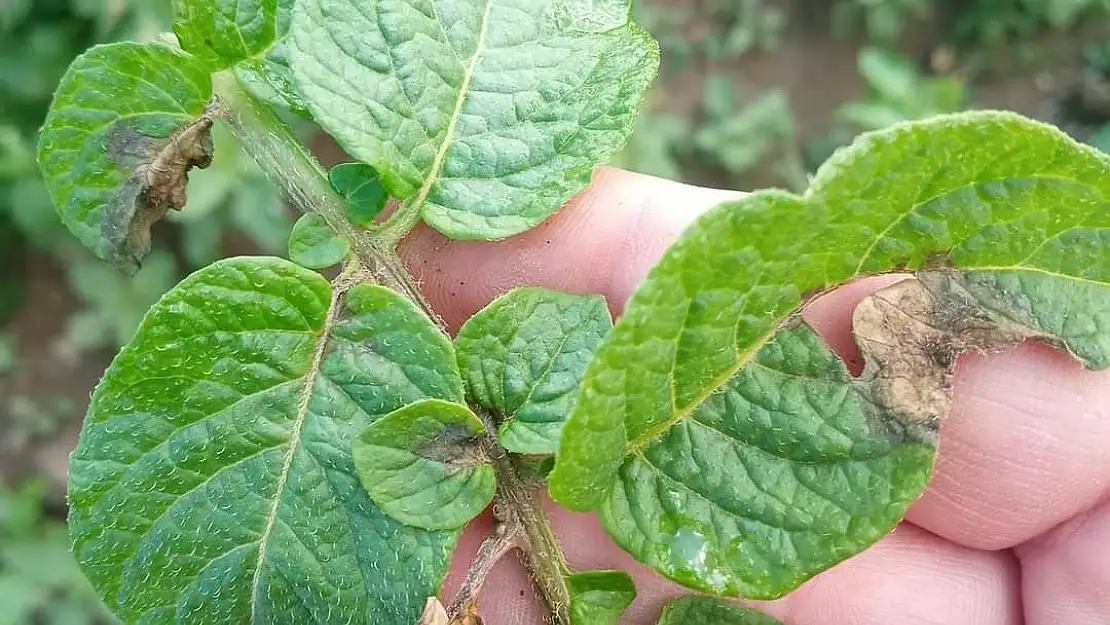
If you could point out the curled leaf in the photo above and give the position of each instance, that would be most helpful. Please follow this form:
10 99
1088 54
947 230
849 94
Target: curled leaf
423 465
312 243
360 184
116 157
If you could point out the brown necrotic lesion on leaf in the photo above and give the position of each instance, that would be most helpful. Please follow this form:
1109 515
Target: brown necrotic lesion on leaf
910 335
157 184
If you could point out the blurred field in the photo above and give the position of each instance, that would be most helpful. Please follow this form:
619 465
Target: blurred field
752 93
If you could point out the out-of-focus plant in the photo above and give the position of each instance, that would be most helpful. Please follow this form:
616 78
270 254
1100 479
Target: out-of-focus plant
744 26
667 23
987 23
736 137
897 92
40 583
882 20
658 145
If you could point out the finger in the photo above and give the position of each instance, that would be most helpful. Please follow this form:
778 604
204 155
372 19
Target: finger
1065 574
1025 447
604 241
909 577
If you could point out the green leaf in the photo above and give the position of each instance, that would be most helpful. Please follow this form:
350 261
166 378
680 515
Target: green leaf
600 597
312 243
1018 206
127 124
423 465
224 32
360 185
213 481
271 81
709 611
486 117
523 358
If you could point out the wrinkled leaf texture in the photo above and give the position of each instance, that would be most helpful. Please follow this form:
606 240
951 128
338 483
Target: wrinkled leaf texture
214 481
720 439
487 115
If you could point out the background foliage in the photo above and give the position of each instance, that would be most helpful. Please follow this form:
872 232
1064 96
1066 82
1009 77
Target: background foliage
753 93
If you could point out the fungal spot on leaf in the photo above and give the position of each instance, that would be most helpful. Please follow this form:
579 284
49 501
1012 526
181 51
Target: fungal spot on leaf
156 185
911 334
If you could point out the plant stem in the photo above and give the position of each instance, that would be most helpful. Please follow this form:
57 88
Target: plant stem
521 510
502 541
292 167
301 178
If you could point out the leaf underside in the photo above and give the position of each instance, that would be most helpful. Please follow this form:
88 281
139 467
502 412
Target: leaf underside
523 358
725 445
488 116
126 125
214 481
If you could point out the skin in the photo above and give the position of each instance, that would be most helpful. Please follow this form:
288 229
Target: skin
1015 527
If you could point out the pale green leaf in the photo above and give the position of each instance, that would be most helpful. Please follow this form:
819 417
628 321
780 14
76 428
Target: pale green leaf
213 481
270 80
126 125
709 611
523 358
484 116
1018 206
423 465
599 597
224 32
362 187
312 243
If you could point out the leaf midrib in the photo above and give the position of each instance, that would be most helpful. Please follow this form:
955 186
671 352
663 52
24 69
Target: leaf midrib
310 378
460 100
649 435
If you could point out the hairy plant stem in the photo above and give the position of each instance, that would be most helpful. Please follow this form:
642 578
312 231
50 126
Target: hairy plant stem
301 178
292 167
519 507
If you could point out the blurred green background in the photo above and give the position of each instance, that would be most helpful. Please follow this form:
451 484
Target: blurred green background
752 93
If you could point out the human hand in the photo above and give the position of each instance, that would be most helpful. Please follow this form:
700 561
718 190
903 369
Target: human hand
1015 527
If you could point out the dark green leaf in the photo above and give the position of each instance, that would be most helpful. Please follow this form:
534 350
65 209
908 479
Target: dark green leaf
224 32
360 184
1018 206
523 358
600 597
484 116
127 124
214 482
312 243
709 611
423 465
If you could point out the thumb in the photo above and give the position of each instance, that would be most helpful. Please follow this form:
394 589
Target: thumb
604 241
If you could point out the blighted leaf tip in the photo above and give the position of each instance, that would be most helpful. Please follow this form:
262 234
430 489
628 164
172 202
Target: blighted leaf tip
156 186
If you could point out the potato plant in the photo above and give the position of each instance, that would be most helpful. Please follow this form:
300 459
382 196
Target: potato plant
276 446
